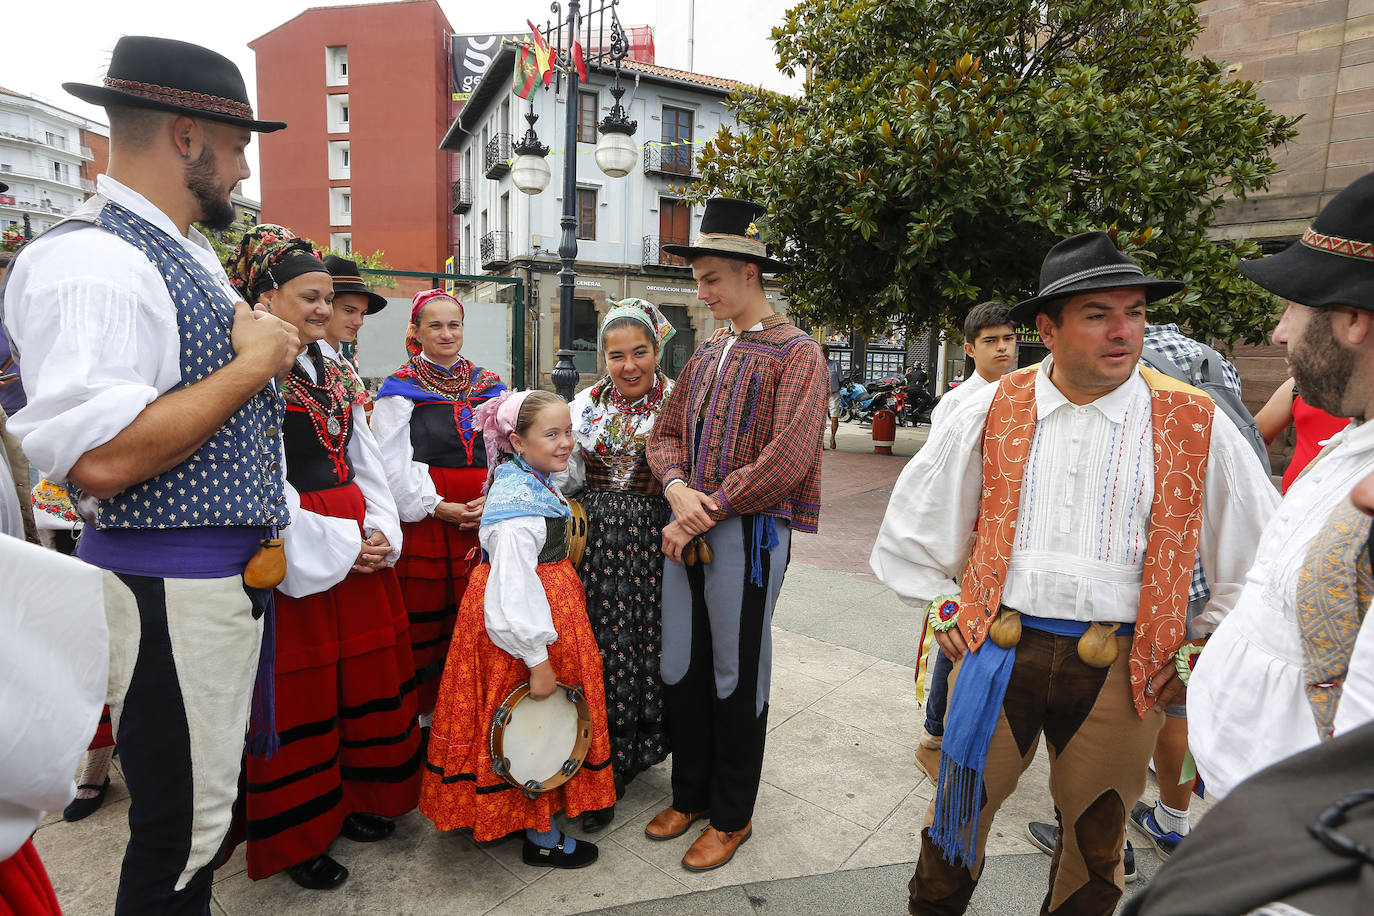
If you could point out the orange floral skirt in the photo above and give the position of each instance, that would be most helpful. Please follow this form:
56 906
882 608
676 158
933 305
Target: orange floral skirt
459 788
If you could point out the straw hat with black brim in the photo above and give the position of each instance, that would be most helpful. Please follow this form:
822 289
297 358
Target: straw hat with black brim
176 76
1087 263
728 230
347 279
1332 264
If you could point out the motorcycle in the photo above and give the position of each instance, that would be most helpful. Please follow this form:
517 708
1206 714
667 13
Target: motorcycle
852 392
918 401
882 395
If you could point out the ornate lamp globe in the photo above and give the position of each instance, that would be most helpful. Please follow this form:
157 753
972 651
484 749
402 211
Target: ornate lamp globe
616 153
530 171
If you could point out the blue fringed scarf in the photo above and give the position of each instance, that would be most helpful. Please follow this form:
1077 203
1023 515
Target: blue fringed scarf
765 538
974 707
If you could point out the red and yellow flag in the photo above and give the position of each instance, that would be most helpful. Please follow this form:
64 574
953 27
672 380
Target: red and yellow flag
543 54
526 74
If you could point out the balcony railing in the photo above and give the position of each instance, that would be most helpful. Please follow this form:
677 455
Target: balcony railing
496 159
59 143
495 249
69 180
31 207
462 195
678 159
654 255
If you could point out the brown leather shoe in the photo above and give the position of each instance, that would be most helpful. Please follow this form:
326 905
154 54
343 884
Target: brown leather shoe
670 823
715 847
928 762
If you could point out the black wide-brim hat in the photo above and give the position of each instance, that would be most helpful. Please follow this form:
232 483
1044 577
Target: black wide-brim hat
347 279
1086 263
728 230
177 76
1333 262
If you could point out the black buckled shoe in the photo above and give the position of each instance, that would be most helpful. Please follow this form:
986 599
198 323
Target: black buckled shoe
318 874
583 854
367 828
593 821
85 807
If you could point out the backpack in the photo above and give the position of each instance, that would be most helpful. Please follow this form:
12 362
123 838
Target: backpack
1204 372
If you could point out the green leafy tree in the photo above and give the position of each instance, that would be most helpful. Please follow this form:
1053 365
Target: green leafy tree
226 241
942 146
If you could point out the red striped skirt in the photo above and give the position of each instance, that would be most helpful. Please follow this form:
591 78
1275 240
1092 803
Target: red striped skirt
433 570
460 789
24 886
345 692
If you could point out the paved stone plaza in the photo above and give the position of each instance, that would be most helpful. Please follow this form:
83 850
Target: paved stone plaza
839 811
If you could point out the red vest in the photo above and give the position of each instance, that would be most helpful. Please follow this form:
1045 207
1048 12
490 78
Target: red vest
1181 417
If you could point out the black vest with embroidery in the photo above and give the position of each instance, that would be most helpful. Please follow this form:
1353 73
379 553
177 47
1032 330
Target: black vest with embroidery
234 478
437 440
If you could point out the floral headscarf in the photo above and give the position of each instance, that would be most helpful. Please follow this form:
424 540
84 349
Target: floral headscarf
268 256
660 330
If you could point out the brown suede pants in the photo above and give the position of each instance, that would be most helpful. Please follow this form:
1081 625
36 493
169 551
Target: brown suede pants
1099 751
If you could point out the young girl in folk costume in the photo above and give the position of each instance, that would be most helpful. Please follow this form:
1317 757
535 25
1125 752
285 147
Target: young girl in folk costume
523 617
346 755
436 463
623 566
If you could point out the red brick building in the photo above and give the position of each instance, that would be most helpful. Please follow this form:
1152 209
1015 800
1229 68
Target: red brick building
366 94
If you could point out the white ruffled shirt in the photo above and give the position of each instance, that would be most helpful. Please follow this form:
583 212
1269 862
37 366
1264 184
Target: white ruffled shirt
518 618
1247 702
52 685
1081 530
321 549
946 406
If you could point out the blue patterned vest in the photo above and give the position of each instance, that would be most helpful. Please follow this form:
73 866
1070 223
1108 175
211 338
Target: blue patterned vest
234 478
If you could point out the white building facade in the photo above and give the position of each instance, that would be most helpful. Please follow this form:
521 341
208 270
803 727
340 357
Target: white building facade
46 159
621 222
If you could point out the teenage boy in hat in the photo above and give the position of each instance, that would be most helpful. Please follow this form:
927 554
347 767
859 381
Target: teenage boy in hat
1093 484
1294 664
353 301
150 394
738 449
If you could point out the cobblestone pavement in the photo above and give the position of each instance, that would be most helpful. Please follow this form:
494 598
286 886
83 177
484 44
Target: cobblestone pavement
839 810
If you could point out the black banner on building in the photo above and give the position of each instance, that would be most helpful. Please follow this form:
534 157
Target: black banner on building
469 57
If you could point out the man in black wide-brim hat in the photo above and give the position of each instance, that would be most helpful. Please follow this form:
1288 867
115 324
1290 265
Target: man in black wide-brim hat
1094 485
1293 665
150 394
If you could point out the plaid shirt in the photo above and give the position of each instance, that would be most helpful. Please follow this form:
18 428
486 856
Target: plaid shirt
1169 341
749 432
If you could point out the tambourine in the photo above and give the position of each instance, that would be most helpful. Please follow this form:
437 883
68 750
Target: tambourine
577 532
537 745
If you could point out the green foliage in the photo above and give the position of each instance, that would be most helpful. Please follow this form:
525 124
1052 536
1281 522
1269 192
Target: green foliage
226 241
942 146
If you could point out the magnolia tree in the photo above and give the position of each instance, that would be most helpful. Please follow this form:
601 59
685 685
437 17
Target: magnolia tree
942 146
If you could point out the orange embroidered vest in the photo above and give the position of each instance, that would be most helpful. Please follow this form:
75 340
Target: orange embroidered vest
1181 417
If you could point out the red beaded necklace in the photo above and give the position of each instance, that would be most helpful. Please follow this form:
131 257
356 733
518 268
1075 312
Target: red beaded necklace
330 412
647 404
448 383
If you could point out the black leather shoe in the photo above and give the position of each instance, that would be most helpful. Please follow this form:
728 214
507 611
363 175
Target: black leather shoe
85 807
592 821
583 854
318 874
367 828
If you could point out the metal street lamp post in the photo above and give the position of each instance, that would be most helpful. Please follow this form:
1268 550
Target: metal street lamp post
615 154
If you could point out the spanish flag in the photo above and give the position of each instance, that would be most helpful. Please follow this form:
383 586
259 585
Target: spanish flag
542 54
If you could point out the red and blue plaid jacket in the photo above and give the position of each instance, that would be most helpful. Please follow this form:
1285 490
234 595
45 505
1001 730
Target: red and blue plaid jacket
762 425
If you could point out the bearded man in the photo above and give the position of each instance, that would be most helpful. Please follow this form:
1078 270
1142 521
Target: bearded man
1293 665
150 395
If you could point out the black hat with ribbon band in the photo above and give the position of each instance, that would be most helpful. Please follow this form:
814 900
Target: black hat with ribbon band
729 230
177 76
347 279
1333 262
1087 263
